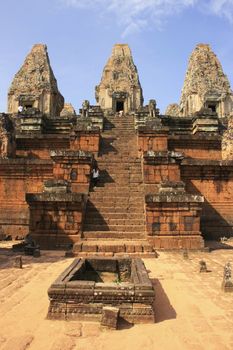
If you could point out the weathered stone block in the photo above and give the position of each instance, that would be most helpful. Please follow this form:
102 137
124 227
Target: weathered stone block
110 317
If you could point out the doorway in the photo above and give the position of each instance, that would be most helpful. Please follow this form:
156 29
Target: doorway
119 106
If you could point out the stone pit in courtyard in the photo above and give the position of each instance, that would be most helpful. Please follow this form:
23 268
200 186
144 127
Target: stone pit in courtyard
88 286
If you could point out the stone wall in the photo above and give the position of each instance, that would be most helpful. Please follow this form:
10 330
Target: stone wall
197 146
56 218
213 180
74 167
173 218
161 166
18 176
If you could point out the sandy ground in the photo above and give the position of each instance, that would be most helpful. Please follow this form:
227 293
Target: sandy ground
191 310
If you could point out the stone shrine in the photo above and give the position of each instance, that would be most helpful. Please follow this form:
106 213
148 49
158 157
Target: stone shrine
166 181
35 85
120 88
205 86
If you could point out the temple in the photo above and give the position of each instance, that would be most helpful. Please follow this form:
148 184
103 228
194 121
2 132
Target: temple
35 85
120 87
205 86
165 180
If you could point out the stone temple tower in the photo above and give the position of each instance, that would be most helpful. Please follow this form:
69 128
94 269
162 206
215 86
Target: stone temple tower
120 88
35 85
205 85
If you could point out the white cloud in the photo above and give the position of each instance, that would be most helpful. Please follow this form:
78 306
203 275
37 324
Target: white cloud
134 15
222 8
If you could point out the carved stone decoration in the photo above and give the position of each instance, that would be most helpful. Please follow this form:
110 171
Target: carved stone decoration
202 266
227 140
205 84
7 137
120 88
35 85
173 110
85 108
227 283
68 110
152 108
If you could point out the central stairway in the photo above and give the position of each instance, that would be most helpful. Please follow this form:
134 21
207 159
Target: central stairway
115 218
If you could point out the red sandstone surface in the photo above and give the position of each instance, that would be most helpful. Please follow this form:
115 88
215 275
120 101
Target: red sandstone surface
192 312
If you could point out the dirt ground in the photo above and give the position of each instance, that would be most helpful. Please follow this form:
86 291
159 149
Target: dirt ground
192 312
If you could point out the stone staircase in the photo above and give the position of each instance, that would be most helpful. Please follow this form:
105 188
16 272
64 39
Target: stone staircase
115 218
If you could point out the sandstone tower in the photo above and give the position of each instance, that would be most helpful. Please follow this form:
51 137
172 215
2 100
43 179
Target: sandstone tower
120 87
35 85
205 84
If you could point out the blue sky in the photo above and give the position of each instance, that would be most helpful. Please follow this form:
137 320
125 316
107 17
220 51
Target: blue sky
80 35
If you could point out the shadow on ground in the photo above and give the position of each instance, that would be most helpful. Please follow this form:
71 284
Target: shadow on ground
162 306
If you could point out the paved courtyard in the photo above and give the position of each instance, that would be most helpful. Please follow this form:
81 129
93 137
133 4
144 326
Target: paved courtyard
191 310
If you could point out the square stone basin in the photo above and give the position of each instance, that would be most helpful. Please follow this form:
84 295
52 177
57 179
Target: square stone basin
88 285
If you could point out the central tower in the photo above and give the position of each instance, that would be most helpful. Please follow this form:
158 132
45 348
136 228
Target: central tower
120 88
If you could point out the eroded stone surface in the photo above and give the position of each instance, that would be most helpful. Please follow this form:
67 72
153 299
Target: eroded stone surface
68 110
205 84
35 85
227 140
120 88
82 291
173 110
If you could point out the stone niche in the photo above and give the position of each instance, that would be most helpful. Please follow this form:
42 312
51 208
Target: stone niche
88 285
35 86
120 87
173 218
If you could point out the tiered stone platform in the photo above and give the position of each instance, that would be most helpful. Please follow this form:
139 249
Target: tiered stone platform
115 216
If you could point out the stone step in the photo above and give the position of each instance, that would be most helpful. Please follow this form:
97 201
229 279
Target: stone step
136 248
116 159
116 207
120 228
131 216
119 172
99 204
90 220
105 208
114 247
113 235
103 196
116 190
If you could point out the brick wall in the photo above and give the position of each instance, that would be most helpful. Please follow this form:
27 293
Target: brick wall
214 180
18 176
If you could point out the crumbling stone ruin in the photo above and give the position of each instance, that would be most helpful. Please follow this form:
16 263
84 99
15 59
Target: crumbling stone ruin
205 86
89 289
173 110
166 182
35 85
67 110
227 283
120 88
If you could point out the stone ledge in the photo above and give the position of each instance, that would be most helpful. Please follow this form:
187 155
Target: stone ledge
56 197
173 198
162 157
24 161
71 154
207 162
